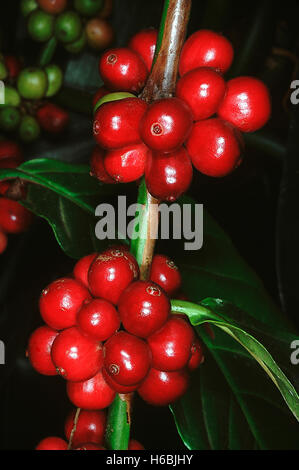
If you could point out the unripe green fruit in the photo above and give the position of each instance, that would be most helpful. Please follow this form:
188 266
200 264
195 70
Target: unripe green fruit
11 97
29 129
88 7
28 6
119 95
77 46
40 25
32 83
68 27
55 79
3 71
9 118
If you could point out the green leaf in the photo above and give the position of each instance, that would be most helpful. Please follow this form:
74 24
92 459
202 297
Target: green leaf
66 196
246 403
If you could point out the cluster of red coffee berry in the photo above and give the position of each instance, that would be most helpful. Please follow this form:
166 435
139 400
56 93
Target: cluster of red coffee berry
26 90
14 218
74 28
201 125
107 332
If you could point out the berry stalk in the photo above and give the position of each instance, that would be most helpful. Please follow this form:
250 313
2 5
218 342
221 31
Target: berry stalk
161 84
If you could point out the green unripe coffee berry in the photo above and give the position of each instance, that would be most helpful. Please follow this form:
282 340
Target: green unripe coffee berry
29 129
11 97
28 6
9 118
119 95
3 71
32 83
40 25
77 46
88 7
55 79
68 27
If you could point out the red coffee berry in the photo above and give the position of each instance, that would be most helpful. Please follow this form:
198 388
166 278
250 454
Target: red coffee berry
116 386
90 446
116 123
102 91
4 186
110 273
202 89
3 242
39 350
81 268
12 65
126 164
90 427
60 302
10 154
92 394
171 345
52 443
97 168
98 319
135 445
144 308
76 356
127 359
166 124
161 388
197 356
166 274
54 7
123 250
214 147
52 118
246 104
144 44
14 218
122 69
205 48
169 175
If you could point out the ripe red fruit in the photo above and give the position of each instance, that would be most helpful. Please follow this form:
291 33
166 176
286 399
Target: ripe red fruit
116 123
39 350
52 118
4 186
76 356
90 446
110 273
3 242
61 301
127 359
169 175
166 124
197 356
171 345
98 319
10 154
202 89
165 273
126 164
12 65
205 48
161 388
92 394
116 386
246 104
214 147
135 445
81 268
97 168
122 69
52 443
90 427
52 6
14 218
144 308
144 43
102 91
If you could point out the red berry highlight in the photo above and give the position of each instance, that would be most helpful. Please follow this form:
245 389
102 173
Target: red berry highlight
90 427
92 394
144 44
14 218
126 164
161 388
81 268
166 274
98 319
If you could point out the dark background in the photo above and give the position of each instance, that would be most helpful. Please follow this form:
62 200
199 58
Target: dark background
257 205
